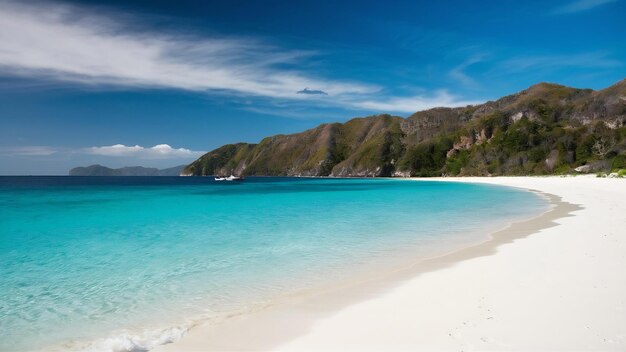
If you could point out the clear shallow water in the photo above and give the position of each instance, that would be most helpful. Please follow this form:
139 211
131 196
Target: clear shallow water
120 260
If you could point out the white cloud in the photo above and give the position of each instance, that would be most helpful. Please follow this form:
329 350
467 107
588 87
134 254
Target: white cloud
68 43
581 5
416 103
159 151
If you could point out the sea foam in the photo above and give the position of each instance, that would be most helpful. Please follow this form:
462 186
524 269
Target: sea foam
128 342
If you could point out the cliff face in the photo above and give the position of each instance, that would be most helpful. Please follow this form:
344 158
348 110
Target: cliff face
546 128
360 147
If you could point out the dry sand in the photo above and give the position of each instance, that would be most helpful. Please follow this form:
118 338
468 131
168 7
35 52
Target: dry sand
557 282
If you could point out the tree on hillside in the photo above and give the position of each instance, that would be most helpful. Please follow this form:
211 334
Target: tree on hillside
603 146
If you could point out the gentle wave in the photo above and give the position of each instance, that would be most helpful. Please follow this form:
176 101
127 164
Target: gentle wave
127 341
146 339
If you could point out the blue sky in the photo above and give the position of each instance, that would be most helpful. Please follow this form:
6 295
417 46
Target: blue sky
157 83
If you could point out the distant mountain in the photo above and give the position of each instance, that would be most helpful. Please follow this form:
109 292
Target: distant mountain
545 129
99 170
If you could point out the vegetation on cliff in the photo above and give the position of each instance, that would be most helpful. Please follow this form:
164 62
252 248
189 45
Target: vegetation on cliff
545 129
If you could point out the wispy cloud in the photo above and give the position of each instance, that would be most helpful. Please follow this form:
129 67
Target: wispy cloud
586 60
67 43
416 103
159 151
35 150
458 72
580 5
381 103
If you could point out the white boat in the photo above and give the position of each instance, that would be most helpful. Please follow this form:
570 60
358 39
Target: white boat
233 178
229 178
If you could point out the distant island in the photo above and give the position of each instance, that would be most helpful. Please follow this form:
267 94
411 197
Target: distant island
545 129
99 170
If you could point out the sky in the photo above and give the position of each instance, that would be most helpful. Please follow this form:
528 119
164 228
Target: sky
159 83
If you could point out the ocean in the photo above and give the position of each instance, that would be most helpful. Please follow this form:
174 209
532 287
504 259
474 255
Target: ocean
127 263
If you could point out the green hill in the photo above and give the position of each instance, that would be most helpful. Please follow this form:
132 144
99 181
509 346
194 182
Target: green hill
545 129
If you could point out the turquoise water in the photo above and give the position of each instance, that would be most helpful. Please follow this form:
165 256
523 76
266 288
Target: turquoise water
128 263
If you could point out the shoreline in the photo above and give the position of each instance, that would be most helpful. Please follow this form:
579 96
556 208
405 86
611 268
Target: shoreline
285 322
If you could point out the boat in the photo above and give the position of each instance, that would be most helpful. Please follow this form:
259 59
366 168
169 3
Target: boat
233 178
229 178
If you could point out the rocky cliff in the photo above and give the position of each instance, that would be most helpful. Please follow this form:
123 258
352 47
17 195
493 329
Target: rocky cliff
547 128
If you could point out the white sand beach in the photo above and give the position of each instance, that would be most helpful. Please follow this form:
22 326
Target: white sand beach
557 282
